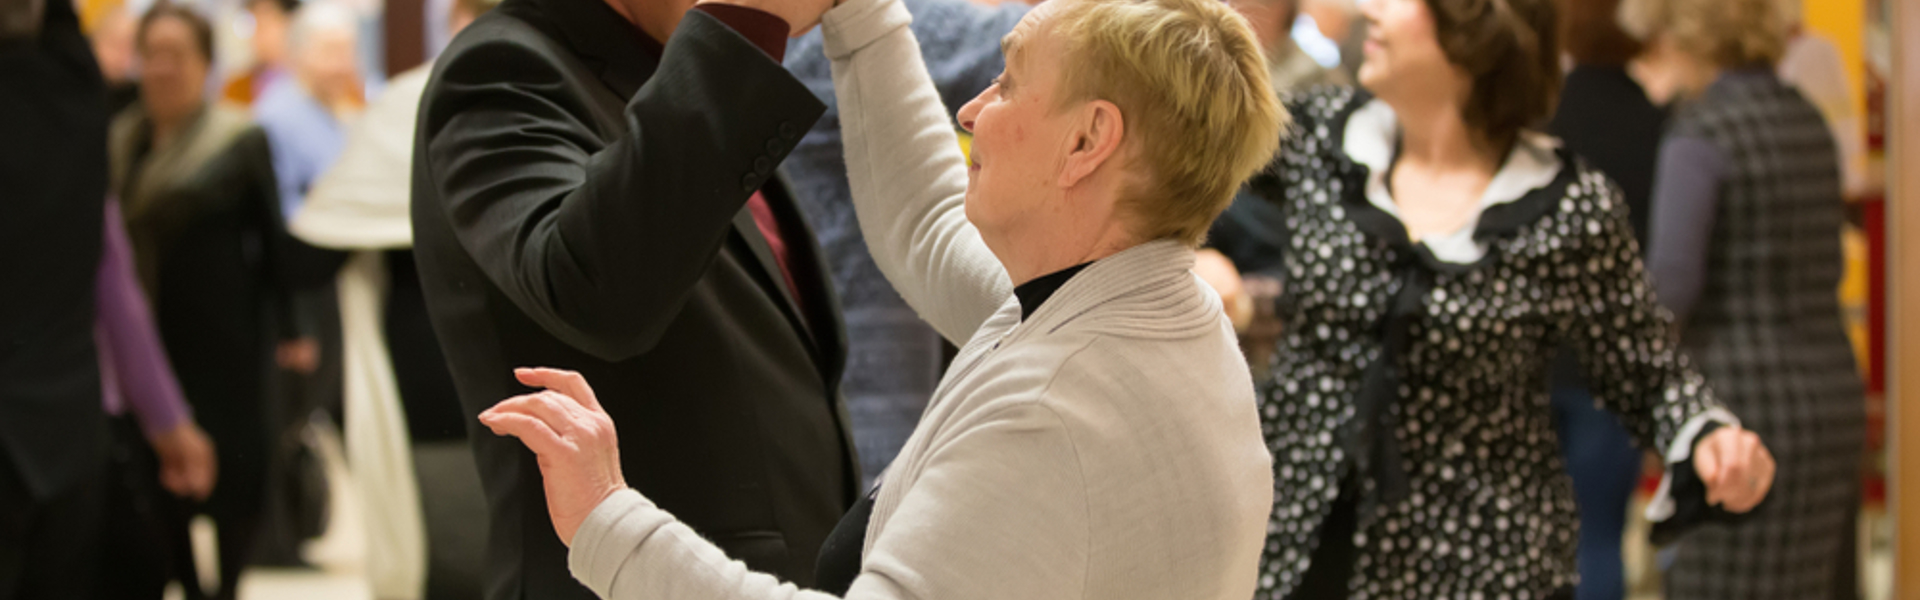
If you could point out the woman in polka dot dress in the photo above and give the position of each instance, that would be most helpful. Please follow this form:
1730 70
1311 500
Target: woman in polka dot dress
1435 251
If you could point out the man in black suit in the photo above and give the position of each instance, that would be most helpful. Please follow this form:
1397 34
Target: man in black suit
53 170
589 199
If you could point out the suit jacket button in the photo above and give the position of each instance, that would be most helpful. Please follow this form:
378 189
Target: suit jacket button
749 183
786 130
762 165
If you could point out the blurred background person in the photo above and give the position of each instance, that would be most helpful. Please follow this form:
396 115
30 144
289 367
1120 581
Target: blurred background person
53 435
1605 118
405 434
305 115
159 454
1288 67
268 40
1813 65
196 184
1435 248
1745 250
894 360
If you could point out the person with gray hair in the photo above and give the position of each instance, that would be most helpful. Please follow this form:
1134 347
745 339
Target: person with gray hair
1745 250
303 114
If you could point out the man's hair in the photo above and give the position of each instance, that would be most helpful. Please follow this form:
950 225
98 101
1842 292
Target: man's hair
1727 33
201 28
1192 90
1512 50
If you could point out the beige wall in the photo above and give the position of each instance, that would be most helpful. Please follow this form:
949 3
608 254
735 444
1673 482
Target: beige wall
1903 276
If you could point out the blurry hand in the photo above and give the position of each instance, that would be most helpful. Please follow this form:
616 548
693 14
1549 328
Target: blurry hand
1736 468
800 15
1214 268
300 355
187 465
572 436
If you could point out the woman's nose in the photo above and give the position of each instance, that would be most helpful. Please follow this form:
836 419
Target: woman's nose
968 113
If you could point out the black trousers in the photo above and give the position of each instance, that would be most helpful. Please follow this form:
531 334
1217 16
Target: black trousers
145 542
141 543
48 547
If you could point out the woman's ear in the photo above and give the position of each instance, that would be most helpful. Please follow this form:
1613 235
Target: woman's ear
1096 140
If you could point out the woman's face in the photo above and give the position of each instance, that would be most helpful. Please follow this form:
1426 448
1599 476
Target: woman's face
1020 136
1402 51
173 72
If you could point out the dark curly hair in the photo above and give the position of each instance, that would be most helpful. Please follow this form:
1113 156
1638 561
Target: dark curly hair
1512 50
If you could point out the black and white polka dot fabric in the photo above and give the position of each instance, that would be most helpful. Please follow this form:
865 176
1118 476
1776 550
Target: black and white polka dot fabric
1487 511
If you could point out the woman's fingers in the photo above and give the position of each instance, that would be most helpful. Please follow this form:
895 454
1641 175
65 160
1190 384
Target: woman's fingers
566 382
1757 479
532 431
1706 464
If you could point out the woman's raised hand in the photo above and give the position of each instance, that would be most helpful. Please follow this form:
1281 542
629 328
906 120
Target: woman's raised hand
572 436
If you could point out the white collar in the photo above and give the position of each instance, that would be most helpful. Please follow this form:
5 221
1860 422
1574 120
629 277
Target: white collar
1369 139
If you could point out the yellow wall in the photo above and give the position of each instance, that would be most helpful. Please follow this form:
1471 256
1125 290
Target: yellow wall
1843 22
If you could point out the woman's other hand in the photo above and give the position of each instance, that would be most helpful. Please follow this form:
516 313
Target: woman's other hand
1219 272
1736 468
572 436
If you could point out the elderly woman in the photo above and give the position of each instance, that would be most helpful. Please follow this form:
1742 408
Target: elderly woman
196 189
1437 250
1096 436
1745 251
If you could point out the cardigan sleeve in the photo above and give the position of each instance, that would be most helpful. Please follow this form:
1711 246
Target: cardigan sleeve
906 172
1623 336
1686 190
998 511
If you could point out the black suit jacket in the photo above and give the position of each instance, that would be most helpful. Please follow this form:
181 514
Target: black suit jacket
579 204
53 184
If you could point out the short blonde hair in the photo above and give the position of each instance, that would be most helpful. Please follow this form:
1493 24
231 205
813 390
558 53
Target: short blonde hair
1728 33
1192 90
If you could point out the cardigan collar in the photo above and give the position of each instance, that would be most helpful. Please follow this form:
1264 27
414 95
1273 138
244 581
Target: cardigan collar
1141 288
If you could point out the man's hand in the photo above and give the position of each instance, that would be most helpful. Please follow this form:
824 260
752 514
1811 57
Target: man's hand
800 15
1736 468
573 438
187 465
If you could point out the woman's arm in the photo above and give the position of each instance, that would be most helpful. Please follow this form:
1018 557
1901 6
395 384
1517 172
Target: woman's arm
908 177
999 511
1686 190
1625 344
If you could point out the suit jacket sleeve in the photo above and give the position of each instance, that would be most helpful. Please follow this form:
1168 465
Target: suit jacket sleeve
599 242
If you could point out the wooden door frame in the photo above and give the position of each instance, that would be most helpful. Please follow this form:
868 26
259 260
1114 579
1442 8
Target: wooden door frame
1903 278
